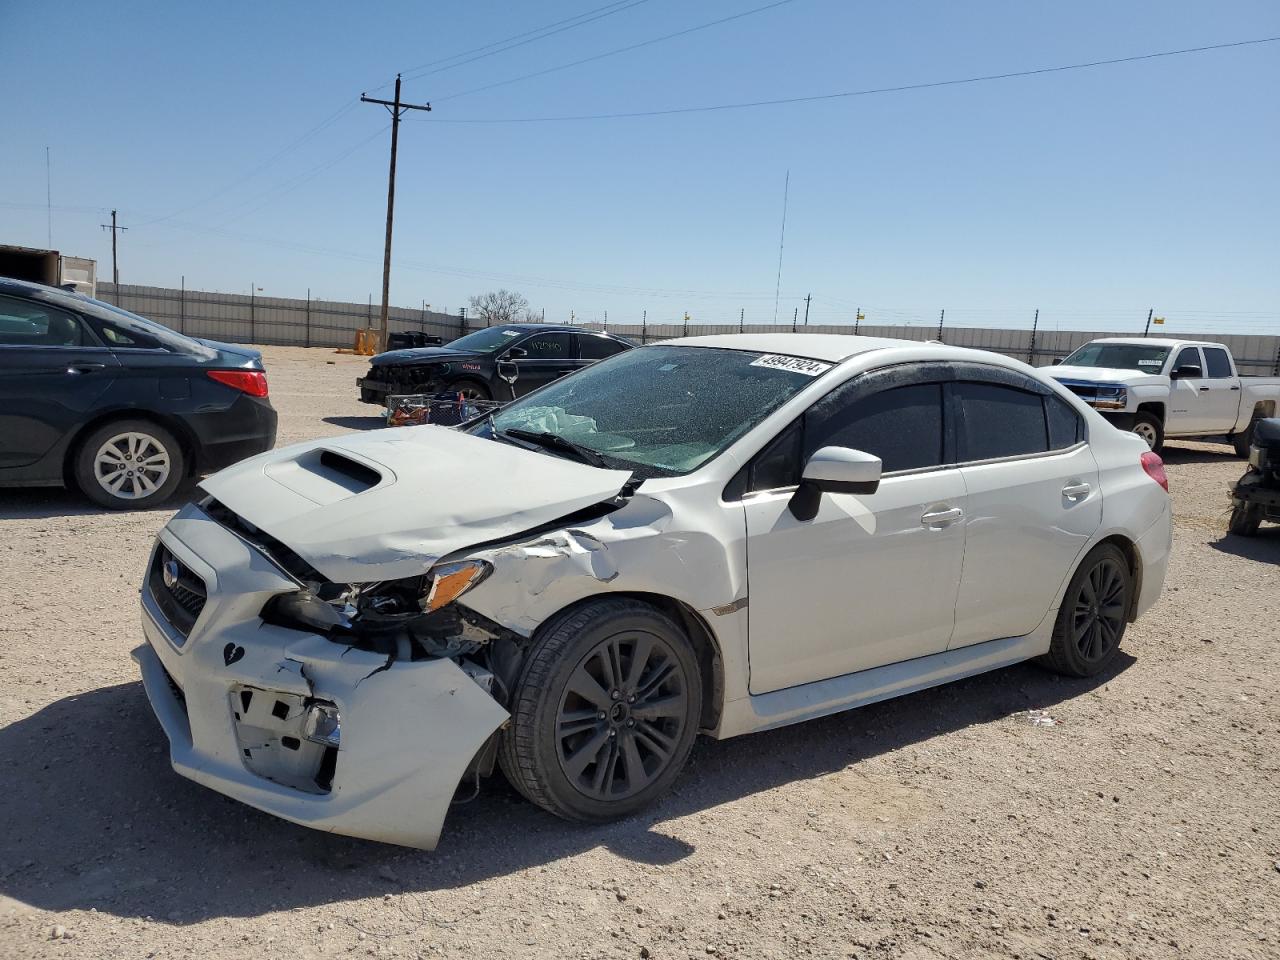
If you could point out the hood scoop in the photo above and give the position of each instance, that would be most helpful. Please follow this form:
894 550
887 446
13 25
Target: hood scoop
387 503
327 476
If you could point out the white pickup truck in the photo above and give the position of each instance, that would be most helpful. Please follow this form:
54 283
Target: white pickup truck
1169 388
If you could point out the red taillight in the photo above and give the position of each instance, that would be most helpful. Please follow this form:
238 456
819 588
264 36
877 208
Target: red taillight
252 382
1154 466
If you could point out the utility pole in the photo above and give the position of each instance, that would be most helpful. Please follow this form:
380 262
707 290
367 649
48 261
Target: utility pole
942 316
115 269
807 298
742 317
395 108
857 320
1147 328
1031 350
795 317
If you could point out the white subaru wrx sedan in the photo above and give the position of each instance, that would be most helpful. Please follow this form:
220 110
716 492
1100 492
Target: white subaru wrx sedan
714 534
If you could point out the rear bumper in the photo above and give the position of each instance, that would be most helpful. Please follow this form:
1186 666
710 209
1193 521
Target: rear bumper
1154 548
408 732
244 429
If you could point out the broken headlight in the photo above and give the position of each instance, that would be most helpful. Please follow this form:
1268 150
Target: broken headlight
447 582
405 618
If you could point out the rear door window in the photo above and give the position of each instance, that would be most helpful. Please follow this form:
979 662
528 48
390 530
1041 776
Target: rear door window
1217 362
999 421
594 347
1066 429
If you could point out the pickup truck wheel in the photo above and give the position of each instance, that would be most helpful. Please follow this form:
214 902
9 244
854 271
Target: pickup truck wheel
1245 519
1093 615
1243 440
129 465
605 712
1149 428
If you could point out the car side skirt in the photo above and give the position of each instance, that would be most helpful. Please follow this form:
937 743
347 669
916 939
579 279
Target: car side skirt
824 697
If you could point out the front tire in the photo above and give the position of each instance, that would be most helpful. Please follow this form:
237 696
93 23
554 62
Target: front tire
1149 428
1093 615
605 713
470 390
129 465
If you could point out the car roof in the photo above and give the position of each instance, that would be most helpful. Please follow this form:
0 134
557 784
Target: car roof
557 327
831 347
1156 342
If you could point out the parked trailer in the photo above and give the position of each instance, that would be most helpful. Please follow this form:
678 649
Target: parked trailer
49 267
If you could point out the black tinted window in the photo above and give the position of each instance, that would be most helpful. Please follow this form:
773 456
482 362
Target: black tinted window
1218 362
27 323
1000 422
903 427
546 346
1188 356
1065 426
596 348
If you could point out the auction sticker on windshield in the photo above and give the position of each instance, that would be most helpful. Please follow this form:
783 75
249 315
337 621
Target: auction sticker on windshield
778 361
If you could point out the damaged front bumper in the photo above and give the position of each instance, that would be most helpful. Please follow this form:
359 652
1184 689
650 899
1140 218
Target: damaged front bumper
233 695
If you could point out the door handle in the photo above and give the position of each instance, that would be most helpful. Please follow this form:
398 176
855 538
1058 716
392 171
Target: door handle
1235 388
1076 490
941 518
1204 389
86 367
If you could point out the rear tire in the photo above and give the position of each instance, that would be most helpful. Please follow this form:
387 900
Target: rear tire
1149 428
605 712
1245 519
129 465
1093 615
1243 440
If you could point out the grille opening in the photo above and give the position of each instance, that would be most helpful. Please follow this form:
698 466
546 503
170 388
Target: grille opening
178 592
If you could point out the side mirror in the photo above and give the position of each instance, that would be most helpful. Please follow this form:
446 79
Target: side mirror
1057 361
1187 371
516 353
834 470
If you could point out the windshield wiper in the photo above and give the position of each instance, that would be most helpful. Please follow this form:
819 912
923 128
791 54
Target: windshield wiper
553 441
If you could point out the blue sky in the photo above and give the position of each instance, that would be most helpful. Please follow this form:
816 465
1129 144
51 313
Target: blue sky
1093 194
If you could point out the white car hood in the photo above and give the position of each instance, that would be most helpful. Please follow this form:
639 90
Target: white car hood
1130 378
388 503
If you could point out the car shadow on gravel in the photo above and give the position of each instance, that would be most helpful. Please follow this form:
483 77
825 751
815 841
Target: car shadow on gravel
1199 454
96 818
357 423
1263 545
45 503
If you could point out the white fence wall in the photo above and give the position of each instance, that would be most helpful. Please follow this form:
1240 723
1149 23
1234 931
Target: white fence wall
238 318
1255 355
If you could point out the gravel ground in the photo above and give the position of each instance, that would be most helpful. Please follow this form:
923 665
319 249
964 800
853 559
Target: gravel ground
944 824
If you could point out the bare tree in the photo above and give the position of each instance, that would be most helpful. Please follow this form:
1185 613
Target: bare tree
504 306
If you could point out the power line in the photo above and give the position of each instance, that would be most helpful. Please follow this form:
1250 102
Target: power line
582 19
610 53
253 172
260 200
862 93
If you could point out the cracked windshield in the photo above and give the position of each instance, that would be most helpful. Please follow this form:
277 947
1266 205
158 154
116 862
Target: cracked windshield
659 411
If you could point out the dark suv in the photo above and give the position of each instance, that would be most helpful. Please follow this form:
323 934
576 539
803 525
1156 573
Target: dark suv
123 408
496 363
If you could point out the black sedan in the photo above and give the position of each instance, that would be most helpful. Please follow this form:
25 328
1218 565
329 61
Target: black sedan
496 363
121 407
